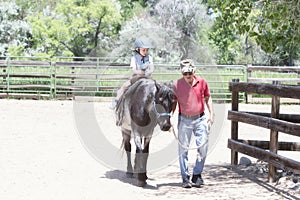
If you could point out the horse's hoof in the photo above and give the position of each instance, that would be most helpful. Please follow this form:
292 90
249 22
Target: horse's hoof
141 183
129 174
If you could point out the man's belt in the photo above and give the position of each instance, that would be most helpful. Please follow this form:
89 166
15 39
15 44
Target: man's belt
192 116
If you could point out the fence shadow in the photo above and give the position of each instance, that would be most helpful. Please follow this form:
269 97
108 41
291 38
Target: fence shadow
221 181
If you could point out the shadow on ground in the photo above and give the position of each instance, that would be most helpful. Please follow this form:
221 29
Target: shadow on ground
221 182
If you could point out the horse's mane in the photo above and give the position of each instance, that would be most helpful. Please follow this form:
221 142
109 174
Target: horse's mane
134 86
120 109
165 90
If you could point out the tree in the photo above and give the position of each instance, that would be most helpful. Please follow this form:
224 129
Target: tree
176 29
277 31
185 23
274 25
76 28
15 32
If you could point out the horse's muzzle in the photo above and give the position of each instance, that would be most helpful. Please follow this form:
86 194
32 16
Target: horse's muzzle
165 127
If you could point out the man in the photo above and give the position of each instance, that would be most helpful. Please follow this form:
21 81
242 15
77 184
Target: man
192 95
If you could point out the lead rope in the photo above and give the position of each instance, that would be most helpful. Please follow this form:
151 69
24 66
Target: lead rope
190 148
185 147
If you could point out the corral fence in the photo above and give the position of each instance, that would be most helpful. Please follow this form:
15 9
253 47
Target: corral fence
275 121
64 78
288 75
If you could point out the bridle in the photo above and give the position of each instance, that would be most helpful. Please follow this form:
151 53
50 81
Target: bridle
158 114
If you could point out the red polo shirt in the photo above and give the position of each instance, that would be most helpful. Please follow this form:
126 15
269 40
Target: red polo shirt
191 98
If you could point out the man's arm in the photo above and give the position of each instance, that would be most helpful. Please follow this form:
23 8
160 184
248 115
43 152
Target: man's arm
174 106
209 105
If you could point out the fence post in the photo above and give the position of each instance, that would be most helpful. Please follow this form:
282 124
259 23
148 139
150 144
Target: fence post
4 77
8 76
234 124
248 75
72 82
53 79
97 75
274 134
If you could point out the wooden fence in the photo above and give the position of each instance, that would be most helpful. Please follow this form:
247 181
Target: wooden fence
275 121
66 79
268 74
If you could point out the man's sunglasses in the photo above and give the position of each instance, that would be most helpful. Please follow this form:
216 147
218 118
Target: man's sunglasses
187 73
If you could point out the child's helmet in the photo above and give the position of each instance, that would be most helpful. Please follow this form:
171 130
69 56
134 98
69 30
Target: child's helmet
142 42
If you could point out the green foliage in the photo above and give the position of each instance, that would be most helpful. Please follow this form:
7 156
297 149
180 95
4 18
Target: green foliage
278 32
75 27
274 25
14 31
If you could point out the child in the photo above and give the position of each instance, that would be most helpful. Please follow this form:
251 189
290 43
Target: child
141 64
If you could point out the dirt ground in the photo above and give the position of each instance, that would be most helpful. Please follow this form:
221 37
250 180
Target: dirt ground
71 150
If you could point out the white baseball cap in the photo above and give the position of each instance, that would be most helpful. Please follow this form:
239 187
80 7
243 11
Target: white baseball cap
187 65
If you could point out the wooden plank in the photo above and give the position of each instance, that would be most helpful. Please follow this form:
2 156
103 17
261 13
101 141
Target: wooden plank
94 76
28 63
87 88
28 86
24 95
262 80
273 68
30 75
76 76
268 100
272 158
289 91
265 122
282 146
3 63
295 118
114 76
89 64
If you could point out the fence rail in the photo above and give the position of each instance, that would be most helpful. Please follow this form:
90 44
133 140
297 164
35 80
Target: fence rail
276 122
65 78
267 74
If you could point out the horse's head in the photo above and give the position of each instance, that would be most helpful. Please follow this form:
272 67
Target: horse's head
164 100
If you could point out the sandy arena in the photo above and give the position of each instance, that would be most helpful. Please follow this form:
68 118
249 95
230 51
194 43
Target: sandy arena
70 150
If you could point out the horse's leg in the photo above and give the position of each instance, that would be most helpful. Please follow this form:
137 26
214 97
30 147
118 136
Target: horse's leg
138 162
141 158
127 146
137 155
145 155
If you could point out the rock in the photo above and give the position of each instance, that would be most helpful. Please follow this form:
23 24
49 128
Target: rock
245 161
295 180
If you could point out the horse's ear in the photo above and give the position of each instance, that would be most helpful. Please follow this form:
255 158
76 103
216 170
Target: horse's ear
171 96
158 86
169 84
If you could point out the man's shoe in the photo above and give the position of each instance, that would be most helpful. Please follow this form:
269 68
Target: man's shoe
197 180
186 184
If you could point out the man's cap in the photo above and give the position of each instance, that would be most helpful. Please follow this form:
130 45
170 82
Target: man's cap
187 65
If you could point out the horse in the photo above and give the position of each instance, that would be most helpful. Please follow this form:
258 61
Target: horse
144 105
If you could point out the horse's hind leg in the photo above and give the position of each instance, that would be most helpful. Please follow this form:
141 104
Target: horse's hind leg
127 146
